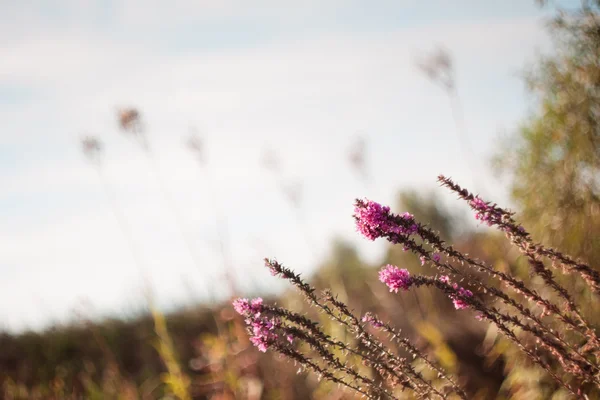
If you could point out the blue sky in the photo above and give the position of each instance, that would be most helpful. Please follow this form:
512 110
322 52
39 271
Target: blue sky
301 78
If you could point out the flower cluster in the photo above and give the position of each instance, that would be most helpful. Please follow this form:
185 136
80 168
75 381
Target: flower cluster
248 308
368 317
459 304
485 212
371 219
263 332
262 327
395 278
374 220
436 257
272 327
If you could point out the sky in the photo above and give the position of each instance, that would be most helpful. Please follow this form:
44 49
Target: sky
301 78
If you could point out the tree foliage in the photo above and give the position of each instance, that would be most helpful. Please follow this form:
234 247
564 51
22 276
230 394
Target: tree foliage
554 159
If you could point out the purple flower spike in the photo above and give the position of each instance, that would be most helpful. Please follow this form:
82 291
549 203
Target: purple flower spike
247 307
260 342
395 278
263 329
241 306
371 219
374 220
459 304
485 212
368 317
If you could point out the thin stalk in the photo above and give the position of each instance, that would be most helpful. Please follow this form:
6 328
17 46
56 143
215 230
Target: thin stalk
126 231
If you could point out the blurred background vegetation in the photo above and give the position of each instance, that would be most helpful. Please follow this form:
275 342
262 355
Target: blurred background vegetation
552 164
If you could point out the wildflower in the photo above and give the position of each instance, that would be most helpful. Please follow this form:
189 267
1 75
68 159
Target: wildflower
368 317
484 212
241 306
273 267
263 328
395 278
413 228
423 259
260 342
436 257
374 220
371 219
479 204
247 307
459 304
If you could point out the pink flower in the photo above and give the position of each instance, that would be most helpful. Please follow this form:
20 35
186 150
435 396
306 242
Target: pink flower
368 317
436 257
247 307
371 219
479 204
374 220
485 212
423 259
263 331
274 266
459 304
260 342
395 278
241 306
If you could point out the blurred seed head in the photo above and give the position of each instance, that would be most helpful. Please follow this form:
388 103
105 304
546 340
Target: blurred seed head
195 144
129 119
357 156
437 66
130 122
271 161
293 192
92 148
